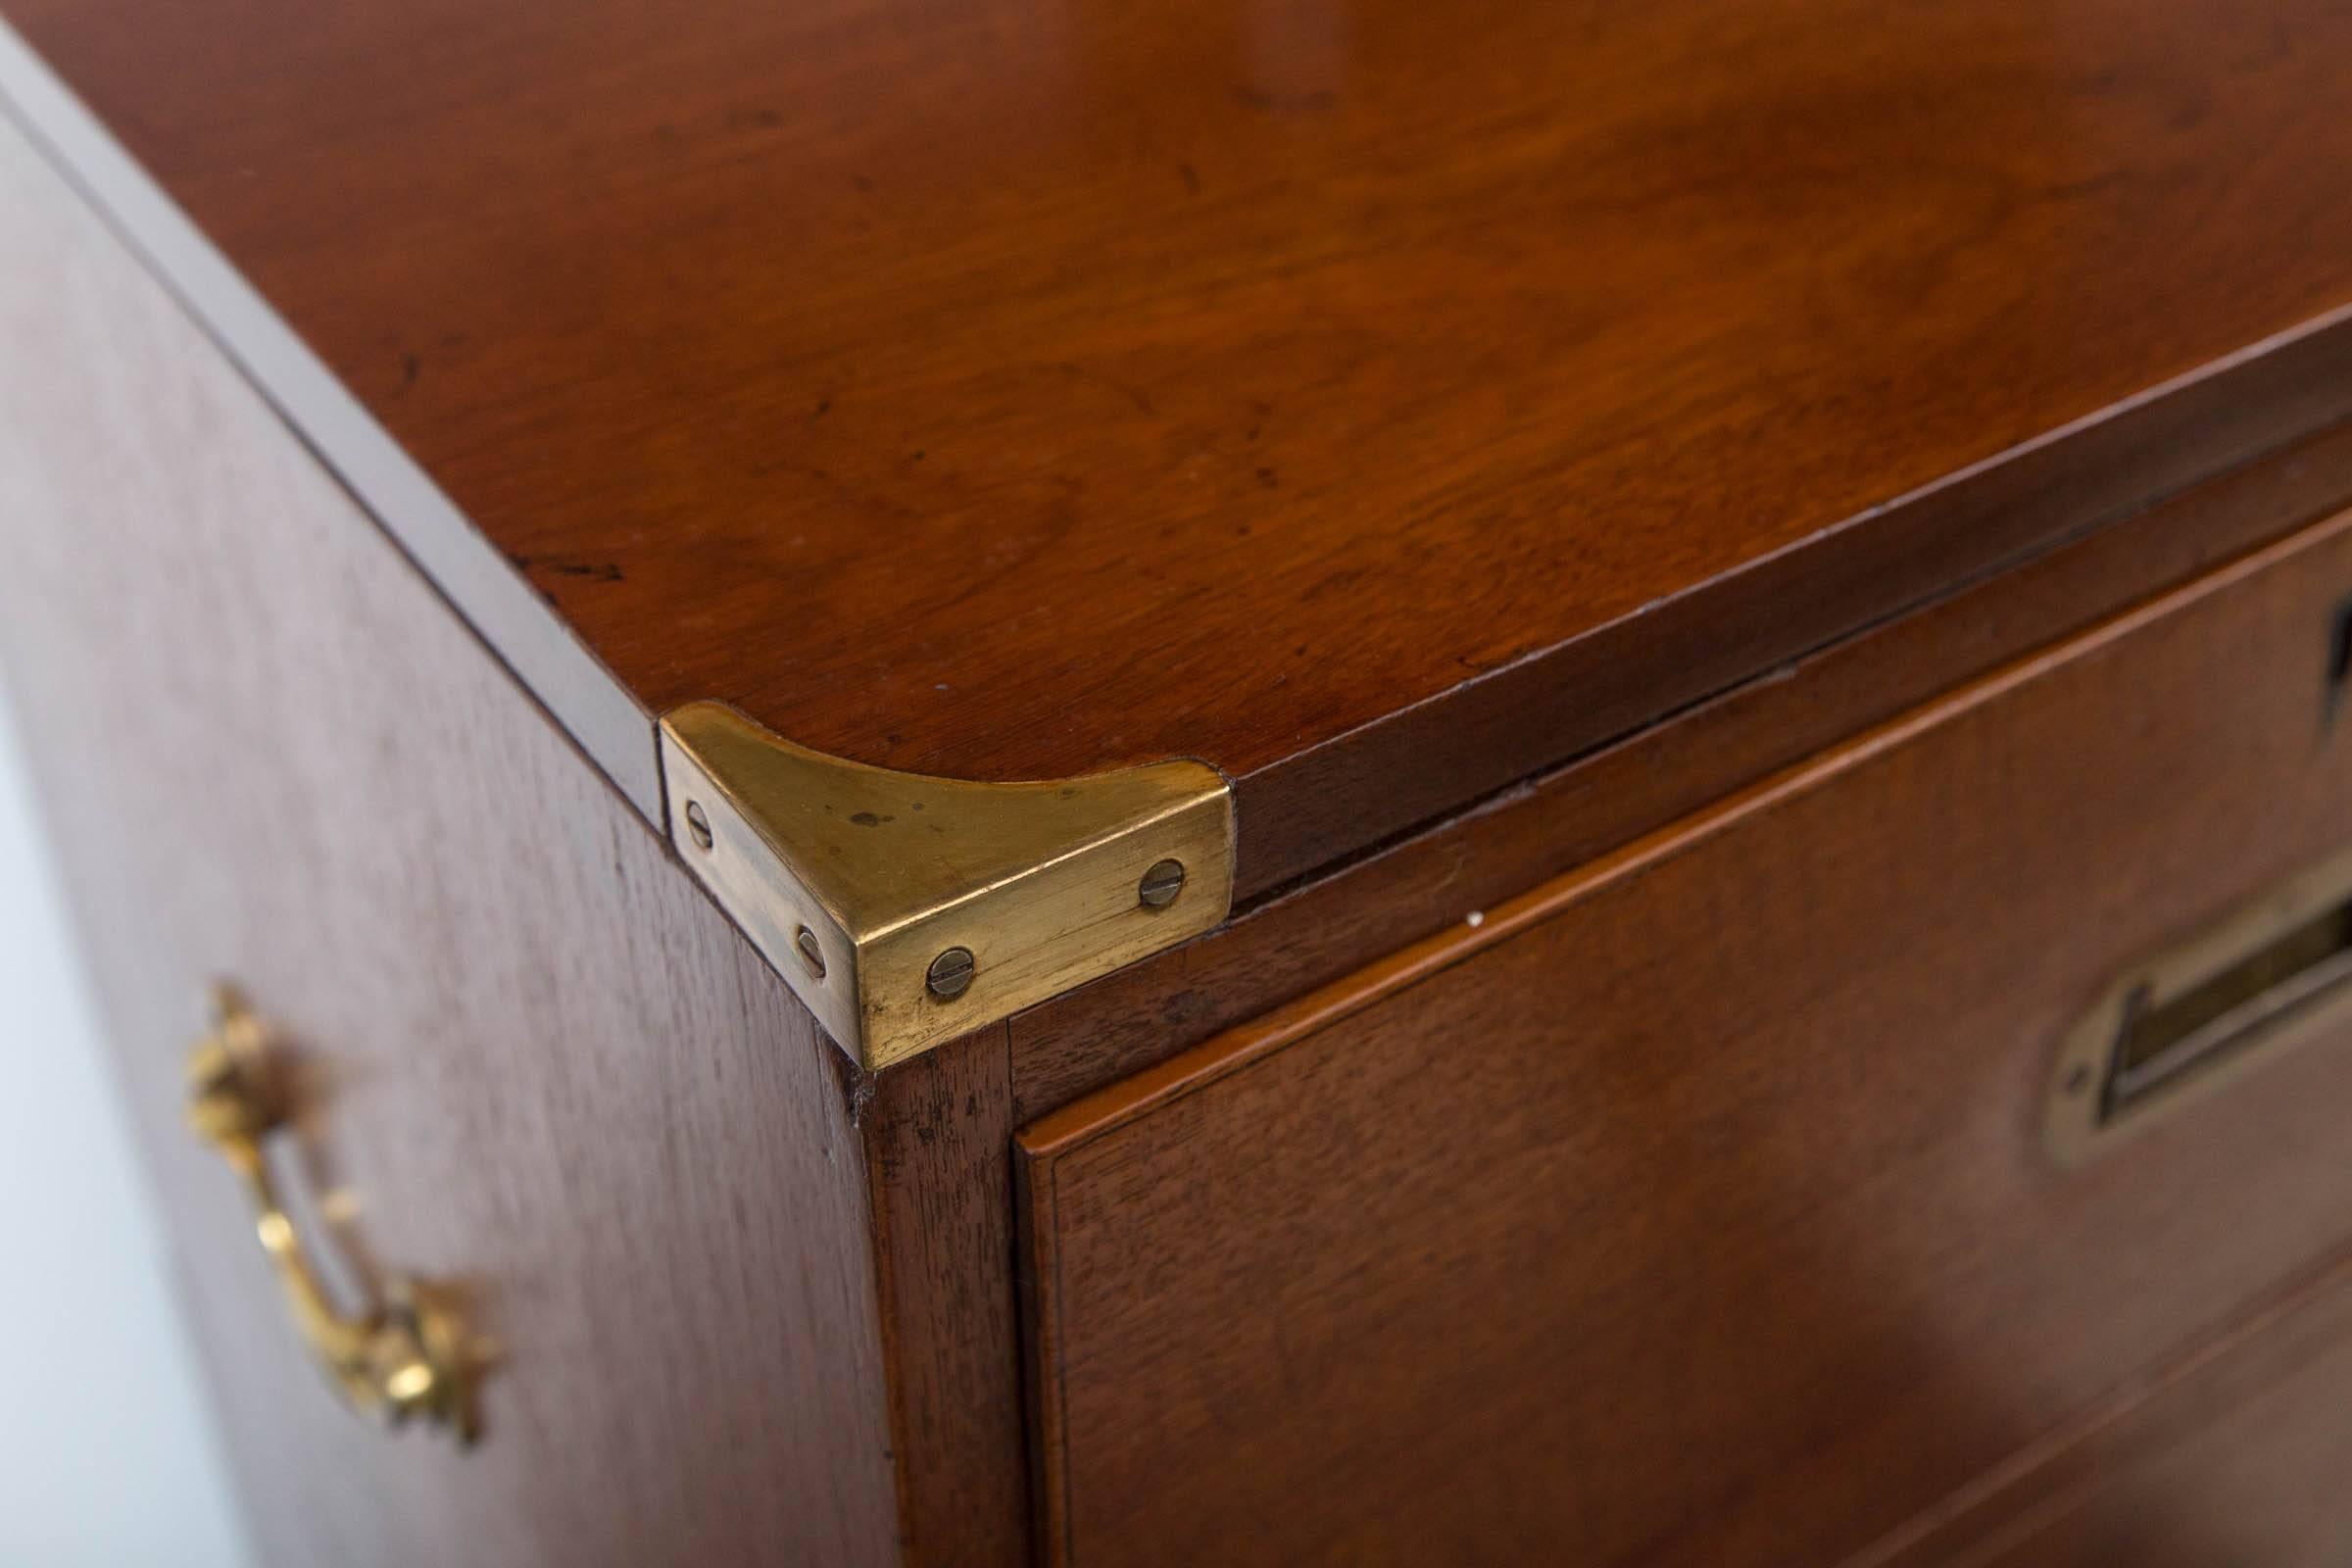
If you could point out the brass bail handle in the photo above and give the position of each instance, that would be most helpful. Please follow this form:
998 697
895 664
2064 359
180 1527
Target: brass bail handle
404 1356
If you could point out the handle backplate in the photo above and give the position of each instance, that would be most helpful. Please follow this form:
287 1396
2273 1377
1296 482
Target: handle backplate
402 1357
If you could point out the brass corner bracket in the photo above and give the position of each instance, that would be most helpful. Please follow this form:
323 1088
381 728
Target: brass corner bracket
905 911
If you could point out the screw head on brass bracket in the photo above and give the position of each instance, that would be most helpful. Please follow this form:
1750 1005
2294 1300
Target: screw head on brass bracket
951 974
1162 884
905 911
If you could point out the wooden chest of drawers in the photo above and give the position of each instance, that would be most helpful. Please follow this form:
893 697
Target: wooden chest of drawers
1147 786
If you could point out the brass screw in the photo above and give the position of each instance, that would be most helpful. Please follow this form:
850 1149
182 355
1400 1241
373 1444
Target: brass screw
1162 884
698 824
811 954
951 974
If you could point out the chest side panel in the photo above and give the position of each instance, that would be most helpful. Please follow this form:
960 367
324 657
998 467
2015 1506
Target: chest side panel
534 1060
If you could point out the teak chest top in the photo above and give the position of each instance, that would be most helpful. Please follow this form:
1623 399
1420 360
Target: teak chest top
1376 402
1763 972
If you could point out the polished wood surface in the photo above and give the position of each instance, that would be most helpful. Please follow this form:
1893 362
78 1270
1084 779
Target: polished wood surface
533 1056
2260 1484
939 1144
1694 1207
2233 1452
1323 930
1381 403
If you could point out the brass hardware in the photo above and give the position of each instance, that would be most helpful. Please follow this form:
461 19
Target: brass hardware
404 1357
885 874
951 974
1160 885
2272 975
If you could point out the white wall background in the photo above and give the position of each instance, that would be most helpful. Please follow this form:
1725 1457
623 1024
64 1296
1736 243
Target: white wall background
108 1457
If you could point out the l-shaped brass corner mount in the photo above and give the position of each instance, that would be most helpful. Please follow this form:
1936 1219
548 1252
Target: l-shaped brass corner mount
905 911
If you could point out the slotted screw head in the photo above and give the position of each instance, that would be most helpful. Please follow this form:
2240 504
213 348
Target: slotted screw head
1162 884
813 955
951 973
698 824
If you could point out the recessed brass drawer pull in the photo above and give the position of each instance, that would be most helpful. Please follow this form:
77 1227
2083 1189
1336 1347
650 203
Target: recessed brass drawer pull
403 1357
2273 973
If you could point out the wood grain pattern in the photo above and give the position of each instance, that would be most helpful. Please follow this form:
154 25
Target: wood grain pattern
1319 932
2262 1484
2258 1484
1692 1207
1378 402
939 1143
2233 1452
539 1061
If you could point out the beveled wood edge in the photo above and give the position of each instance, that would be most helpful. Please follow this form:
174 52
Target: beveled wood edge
2240 1360
1042 1146
1347 795
522 630
1062 1132
1280 948
939 1166
1319 806
1037 1280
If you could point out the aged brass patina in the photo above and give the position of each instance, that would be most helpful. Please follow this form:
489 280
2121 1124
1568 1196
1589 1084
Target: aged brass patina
905 911
404 1356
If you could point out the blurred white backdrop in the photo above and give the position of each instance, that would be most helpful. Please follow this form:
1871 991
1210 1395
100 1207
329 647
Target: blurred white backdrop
108 1457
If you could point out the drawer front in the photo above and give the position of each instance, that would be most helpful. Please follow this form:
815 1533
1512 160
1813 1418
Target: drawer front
540 1069
2235 1452
1702 1207
2259 1482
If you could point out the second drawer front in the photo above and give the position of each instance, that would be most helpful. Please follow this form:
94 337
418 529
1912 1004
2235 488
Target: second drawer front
1699 1207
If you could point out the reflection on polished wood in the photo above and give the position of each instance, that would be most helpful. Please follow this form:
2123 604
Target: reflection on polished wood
1018 390
545 1065
1858 488
1694 1207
